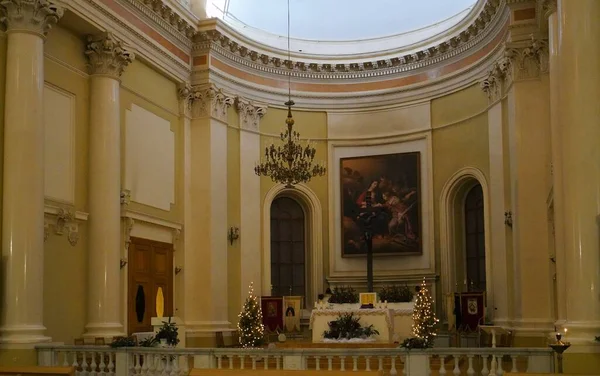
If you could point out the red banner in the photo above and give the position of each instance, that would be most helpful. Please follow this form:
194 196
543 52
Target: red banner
272 311
471 310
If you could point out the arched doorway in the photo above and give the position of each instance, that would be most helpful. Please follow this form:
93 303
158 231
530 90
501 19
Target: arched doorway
288 248
474 228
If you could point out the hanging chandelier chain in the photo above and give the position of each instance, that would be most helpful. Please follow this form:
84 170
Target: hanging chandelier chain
292 162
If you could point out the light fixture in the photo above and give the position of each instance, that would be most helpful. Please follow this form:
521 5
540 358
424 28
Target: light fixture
292 162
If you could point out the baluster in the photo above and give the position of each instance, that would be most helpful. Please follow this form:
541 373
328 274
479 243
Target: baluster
253 362
158 365
241 361
230 360
102 366
513 358
499 370
167 369
393 371
65 359
152 358
266 360
219 362
470 370
84 365
484 369
403 360
93 365
380 365
354 363
456 365
368 361
111 364
185 370
342 363
318 363
75 363
138 365
175 366
442 365
329 362
277 362
145 360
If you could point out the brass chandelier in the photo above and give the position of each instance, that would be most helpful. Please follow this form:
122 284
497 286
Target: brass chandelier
292 162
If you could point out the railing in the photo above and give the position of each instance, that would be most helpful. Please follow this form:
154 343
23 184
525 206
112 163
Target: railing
139 361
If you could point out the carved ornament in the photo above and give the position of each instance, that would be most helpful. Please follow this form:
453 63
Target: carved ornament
62 221
128 227
33 16
250 113
107 55
205 101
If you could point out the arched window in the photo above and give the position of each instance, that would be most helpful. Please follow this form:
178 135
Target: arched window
287 248
475 239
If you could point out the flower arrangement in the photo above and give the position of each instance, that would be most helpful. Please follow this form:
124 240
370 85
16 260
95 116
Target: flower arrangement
169 332
347 326
395 294
341 295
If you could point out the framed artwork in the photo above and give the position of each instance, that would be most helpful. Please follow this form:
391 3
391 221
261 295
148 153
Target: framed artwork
393 183
292 306
272 310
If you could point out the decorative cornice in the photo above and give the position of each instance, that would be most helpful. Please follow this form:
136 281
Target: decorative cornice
519 62
107 56
250 113
32 16
214 40
63 220
168 19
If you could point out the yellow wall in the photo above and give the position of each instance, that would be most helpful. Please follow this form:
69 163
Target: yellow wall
64 265
310 125
459 139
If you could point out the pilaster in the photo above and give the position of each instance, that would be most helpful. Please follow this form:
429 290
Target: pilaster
250 242
206 303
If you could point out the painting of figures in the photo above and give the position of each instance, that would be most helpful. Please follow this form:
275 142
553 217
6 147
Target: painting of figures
392 181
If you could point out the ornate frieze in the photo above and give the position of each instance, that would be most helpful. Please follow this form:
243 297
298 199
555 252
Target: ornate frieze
215 40
33 16
205 101
107 55
163 14
520 62
250 113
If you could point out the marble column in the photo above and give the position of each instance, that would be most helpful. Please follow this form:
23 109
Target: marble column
579 114
107 58
27 23
205 212
250 211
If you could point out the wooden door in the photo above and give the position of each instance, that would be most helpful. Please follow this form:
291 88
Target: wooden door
150 267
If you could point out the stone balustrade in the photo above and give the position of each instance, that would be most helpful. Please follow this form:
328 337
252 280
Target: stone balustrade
133 361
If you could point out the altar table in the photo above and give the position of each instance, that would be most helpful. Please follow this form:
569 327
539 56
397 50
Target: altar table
381 319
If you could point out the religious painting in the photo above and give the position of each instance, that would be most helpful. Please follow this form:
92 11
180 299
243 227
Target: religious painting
383 193
292 306
272 310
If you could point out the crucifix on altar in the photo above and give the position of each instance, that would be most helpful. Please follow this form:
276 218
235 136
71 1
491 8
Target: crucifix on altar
365 219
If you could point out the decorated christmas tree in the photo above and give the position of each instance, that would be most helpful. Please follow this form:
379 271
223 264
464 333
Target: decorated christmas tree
250 325
424 320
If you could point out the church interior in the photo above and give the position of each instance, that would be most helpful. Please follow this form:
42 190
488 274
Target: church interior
401 187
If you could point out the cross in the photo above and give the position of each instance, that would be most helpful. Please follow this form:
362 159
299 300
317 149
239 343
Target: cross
365 219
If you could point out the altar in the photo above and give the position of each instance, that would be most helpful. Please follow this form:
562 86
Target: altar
394 323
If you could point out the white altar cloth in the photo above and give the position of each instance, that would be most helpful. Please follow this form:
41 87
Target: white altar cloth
381 319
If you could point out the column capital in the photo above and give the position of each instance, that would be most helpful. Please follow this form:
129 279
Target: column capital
29 16
250 113
205 101
549 7
107 55
523 60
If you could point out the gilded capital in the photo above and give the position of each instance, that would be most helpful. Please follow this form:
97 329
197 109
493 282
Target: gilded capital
250 113
29 16
107 56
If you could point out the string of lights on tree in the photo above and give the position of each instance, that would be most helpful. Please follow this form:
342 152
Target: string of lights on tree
424 320
250 324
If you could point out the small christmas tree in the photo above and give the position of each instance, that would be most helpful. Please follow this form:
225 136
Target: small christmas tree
424 320
250 325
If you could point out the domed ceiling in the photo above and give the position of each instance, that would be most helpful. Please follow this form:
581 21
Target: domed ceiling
325 27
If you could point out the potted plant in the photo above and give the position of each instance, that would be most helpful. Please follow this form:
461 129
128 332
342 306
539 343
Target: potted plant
168 334
344 297
397 297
